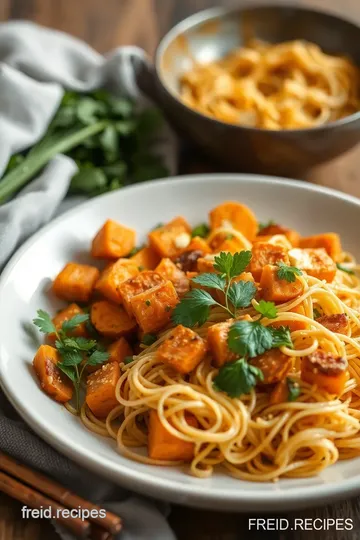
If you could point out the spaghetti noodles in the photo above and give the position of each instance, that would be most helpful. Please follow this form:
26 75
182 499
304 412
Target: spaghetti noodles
290 85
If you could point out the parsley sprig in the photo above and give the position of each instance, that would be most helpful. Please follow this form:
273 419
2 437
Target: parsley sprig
194 308
288 273
73 350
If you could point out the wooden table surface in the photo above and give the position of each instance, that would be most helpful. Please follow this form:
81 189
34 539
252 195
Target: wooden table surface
105 24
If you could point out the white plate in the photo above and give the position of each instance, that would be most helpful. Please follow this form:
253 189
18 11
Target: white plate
24 288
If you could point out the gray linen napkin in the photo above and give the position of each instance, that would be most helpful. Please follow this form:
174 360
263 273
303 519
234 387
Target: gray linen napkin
35 64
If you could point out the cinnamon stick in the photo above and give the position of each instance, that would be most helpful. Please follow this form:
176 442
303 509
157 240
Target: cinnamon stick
110 522
34 499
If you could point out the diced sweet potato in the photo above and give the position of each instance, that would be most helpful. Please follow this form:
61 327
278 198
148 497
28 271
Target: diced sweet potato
274 289
100 389
234 215
139 284
291 235
338 323
329 241
264 254
280 393
152 308
76 282
111 320
206 264
293 325
231 245
169 271
198 244
327 371
168 241
65 315
217 343
183 349
113 276
274 365
165 446
113 241
146 258
315 262
118 350
52 380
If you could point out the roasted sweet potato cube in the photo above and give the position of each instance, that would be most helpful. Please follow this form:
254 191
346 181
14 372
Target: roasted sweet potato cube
231 245
293 325
169 271
65 315
171 239
100 389
113 276
274 365
198 244
118 350
274 289
76 282
183 349
164 445
52 380
264 254
327 371
234 215
113 241
111 320
137 285
206 264
315 262
152 309
146 258
217 343
329 241
337 323
274 229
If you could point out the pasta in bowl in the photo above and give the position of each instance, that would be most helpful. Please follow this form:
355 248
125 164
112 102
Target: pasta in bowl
229 344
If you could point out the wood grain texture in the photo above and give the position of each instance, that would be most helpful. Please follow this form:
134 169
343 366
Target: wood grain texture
106 24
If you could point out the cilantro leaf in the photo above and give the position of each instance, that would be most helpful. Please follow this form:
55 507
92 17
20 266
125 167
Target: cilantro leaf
97 357
148 339
223 263
44 323
240 262
232 264
193 309
68 370
237 378
79 343
267 309
72 323
345 269
281 337
288 273
294 390
214 281
249 338
70 357
201 230
241 293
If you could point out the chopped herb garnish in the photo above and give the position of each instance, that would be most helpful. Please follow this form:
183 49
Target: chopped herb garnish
345 269
316 313
294 390
249 338
148 339
265 225
281 337
288 273
147 302
267 309
73 351
201 230
237 378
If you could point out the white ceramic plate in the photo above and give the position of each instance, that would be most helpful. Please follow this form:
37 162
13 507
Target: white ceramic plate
24 288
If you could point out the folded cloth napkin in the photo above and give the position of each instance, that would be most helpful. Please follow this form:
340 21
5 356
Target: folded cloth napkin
35 65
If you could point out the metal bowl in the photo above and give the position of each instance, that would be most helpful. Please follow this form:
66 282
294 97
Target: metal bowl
209 35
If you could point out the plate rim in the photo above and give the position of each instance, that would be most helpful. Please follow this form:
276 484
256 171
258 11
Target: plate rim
145 482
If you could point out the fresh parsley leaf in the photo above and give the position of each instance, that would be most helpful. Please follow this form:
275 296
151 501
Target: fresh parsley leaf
288 273
294 390
148 339
241 293
249 338
267 224
316 313
72 323
237 378
345 269
79 343
193 309
201 230
281 337
97 357
267 309
68 370
128 359
214 281
231 265
44 323
70 357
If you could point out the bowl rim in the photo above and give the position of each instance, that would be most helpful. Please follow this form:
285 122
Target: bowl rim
217 12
